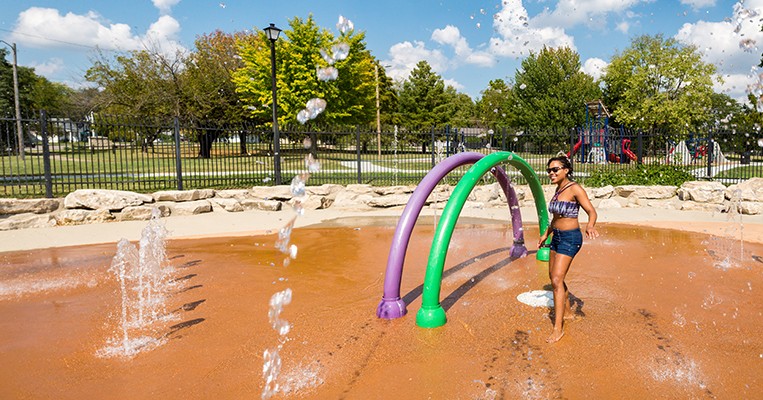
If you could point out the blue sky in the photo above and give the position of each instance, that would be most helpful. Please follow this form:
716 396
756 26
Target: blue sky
468 43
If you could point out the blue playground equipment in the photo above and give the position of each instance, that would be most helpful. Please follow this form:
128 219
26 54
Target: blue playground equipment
598 142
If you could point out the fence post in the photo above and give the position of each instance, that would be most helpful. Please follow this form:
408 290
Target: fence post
357 151
640 157
178 164
572 142
46 155
503 139
447 140
434 148
710 149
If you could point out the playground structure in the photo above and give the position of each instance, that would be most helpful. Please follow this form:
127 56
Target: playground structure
599 143
693 149
432 314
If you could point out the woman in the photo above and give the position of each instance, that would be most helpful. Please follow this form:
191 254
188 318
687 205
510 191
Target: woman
567 238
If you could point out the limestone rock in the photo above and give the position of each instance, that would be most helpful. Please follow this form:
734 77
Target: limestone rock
191 207
281 192
328 189
646 192
94 199
260 204
609 203
603 192
702 192
227 204
393 200
141 213
390 190
80 216
749 190
27 220
232 194
696 206
34 206
750 207
183 195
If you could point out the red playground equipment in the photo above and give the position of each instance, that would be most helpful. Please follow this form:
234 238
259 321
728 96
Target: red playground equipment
598 142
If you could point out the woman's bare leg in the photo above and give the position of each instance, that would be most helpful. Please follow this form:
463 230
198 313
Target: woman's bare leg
558 267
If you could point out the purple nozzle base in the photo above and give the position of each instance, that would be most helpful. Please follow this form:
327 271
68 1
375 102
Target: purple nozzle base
517 250
391 308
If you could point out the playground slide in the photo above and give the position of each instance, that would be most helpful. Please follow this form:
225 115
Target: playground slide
627 149
575 149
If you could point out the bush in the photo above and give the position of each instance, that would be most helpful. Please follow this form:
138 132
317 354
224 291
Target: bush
651 174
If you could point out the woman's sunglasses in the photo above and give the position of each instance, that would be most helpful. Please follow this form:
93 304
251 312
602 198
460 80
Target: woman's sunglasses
553 169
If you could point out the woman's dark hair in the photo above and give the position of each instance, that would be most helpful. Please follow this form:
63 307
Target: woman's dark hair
566 163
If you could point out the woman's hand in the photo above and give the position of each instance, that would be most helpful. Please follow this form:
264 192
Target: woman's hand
591 232
542 240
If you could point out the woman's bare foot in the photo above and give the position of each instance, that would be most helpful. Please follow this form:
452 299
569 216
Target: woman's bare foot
555 336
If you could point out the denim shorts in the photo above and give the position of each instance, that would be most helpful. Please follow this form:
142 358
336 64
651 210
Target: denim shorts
567 242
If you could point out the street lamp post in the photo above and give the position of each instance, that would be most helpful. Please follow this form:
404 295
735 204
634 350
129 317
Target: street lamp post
378 110
19 133
272 32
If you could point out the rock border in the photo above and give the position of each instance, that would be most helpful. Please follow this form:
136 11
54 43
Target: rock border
86 206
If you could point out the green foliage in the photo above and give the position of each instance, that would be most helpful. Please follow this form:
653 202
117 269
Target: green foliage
658 83
645 174
142 83
209 90
496 106
421 98
551 90
350 99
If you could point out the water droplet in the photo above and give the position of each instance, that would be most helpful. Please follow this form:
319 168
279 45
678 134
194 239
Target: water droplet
344 25
327 74
340 51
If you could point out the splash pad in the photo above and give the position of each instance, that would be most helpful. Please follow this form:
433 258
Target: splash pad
652 301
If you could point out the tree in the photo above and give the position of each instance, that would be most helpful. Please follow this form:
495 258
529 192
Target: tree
551 90
459 108
146 84
210 93
496 106
659 84
350 98
26 79
421 98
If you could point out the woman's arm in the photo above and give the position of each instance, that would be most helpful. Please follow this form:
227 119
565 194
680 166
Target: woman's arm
585 203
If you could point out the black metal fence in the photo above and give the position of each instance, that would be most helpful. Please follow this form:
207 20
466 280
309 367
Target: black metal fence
107 152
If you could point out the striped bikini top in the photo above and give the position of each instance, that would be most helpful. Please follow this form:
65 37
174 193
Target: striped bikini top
566 209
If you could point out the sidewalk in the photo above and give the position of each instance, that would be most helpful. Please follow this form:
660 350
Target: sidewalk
263 222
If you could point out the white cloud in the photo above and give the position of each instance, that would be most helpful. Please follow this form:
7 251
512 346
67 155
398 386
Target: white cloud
454 83
48 68
698 4
623 27
404 57
451 36
594 67
732 45
47 28
518 35
165 6
569 13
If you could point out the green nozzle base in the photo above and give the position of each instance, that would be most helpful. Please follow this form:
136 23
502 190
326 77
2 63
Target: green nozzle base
431 317
543 254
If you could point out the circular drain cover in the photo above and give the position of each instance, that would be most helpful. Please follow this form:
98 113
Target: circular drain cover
537 298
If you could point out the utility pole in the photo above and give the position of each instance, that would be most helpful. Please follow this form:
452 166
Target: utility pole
378 113
19 132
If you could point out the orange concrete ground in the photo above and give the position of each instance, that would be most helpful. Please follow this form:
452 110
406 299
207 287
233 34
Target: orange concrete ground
661 314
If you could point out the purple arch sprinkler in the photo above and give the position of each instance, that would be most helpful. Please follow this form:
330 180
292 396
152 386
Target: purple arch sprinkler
391 305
